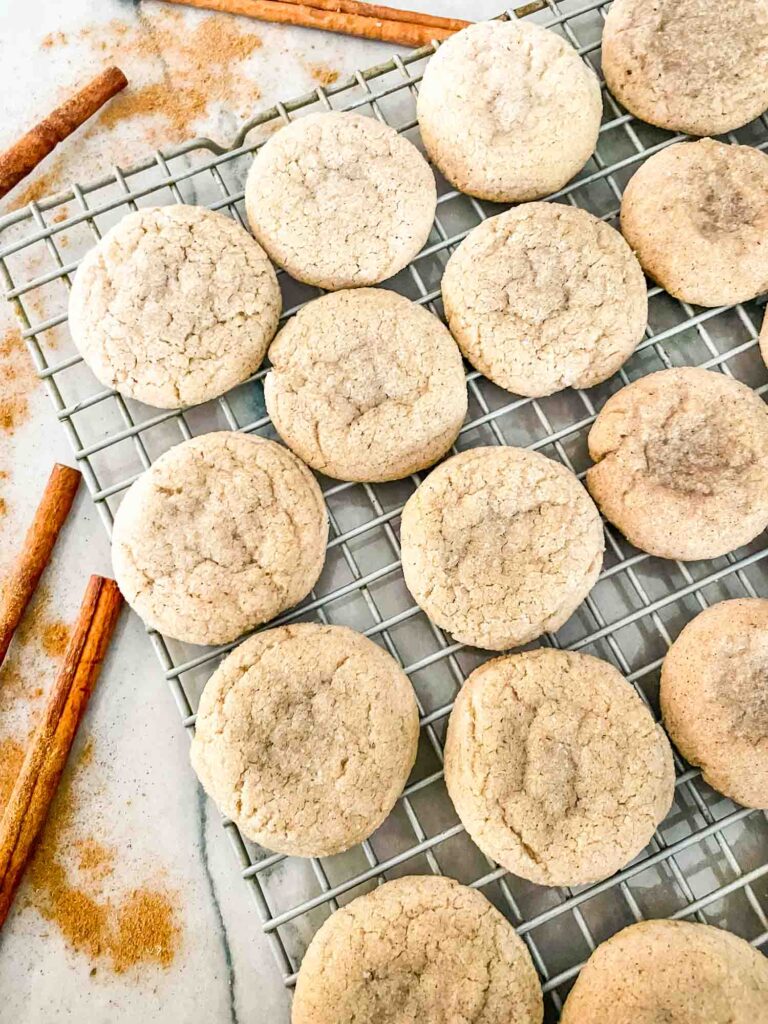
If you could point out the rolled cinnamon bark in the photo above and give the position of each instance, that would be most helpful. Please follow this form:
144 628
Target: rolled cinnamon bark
23 156
19 586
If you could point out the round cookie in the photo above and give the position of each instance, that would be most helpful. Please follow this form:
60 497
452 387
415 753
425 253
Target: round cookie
419 948
545 297
305 737
222 533
671 971
696 215
340 200
174 306
682 463
508 111
556 767
691 66
366 385
500 545
714 698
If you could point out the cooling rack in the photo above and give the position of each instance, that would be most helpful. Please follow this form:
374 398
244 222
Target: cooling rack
709 859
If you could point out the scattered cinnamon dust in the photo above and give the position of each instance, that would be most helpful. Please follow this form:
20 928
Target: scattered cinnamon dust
39 640
3 507
94 857
203 67
53 39
323 75
18 377
55 637
179 69
68 884
44 184
38 626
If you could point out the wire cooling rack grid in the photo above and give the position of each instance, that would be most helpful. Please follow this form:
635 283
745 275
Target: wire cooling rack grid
709 859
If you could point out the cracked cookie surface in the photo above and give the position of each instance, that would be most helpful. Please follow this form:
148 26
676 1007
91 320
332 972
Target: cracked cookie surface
222 533
682 463
340 200
690 66
418 950
174 306
696 215
500 545
671 971
545 297
508 111
556 767
305 737
714 697
366 385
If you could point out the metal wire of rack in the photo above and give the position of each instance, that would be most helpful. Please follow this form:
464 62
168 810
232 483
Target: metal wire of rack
709 859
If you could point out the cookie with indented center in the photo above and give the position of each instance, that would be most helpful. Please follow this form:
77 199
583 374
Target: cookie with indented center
682 463
556 766
714 698
340 200
174 306
366 385
222 533
672 971
696 215
305 736
691 66
419 948
545 297
500 545
509 111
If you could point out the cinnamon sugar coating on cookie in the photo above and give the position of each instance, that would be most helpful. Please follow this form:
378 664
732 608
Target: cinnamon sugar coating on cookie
500 545
682 463
556 767
419 948
222 533
305 736
366 385
696 215
509 111
174 306
545 297
714 697
671 971
693 66
340 200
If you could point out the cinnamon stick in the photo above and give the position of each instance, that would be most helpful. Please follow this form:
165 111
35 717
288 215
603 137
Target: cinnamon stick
305 15
22 158
27 809
385 13
38 544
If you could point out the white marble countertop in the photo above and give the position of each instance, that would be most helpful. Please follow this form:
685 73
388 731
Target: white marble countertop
132 793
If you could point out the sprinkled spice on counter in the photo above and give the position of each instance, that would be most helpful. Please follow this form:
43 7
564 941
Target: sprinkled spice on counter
18 376
70 884
323 75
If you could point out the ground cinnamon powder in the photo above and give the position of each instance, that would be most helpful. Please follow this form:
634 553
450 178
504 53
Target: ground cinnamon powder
54 638
323 75
67 885
177 68
18 377
204 66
